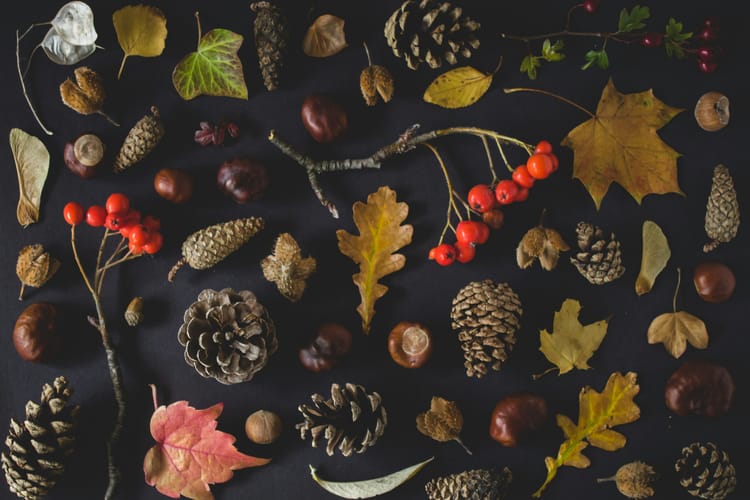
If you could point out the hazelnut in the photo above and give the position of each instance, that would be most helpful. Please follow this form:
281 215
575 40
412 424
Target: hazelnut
517 415
324 118
263 427
331 343
410 344
242 179
700 387
174 185
712 111
714 282
35 335
83 155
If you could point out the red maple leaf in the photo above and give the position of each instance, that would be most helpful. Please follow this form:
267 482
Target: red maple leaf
190 453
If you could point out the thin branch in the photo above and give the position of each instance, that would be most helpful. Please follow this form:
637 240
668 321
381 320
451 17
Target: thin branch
550 94
78 260
23 83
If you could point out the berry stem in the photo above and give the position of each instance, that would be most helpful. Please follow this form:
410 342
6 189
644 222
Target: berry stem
614 35
489 158
505 158
550 94
451 202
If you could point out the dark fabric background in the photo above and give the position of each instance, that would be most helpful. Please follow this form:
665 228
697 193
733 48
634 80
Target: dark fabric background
421 292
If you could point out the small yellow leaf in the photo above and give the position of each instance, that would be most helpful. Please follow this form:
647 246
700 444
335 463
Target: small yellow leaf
654 258
141 31
458 87
675 329
325 37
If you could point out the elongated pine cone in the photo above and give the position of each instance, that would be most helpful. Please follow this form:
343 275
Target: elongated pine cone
706 472
227 335
722 210
600 258
271 41
39 447
477 484
140 141
487 316
352 419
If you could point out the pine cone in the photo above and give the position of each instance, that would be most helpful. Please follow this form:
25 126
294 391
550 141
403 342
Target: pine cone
430 31
487 316
600 259
271 41
227 335
722 211
351 420
706 472
140 141
38 448
477 484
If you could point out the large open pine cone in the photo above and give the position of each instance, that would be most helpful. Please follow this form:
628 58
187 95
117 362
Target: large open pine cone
600 258
706 472
227 335
477 484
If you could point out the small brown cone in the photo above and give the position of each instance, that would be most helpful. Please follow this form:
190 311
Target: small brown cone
706 472
600 258
722 210
271 41
140 141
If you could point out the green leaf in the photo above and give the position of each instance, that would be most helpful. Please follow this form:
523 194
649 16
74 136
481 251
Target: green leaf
551 51
633 20
673 38
213 69
598 57
529 64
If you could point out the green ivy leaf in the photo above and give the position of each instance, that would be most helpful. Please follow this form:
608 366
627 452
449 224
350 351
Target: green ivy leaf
213 69
633 20
598 57
551 51
529 64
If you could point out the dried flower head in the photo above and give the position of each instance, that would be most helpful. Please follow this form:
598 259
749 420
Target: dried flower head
35 267
286 267
542 243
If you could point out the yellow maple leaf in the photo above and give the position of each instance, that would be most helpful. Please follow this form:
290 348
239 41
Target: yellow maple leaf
141 31
620 144
381 234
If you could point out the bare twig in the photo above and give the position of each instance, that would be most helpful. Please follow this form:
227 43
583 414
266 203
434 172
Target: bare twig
23 83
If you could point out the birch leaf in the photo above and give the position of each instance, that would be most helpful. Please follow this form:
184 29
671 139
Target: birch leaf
371 487
32 166
458 87
141 31
381 234
654 258
325 37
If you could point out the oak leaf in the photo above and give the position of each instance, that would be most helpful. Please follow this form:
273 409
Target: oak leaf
654 257
620 144
141 31
442 422
381 234
597 414
459 87
190 453
325 37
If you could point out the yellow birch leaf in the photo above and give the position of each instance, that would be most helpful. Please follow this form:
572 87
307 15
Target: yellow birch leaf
654 257
458 87
325 37
381 234
141 31
32 165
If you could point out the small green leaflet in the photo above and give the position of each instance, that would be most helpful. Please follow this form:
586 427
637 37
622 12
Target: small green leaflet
370 487
551 51
213 69
598 57
674 37
529 64
633 20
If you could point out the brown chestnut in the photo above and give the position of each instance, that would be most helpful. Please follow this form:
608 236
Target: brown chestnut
324 118
700 387
242 179
35 335
331 343
516 416
714 282
410 344
174 185
83 155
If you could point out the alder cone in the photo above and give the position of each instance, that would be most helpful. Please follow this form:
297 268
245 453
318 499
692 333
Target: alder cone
706 472
722 210
477 484
600 258
271 41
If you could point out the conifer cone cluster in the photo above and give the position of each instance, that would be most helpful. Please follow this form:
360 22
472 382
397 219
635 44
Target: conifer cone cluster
600 258
706 471
722 210
477 484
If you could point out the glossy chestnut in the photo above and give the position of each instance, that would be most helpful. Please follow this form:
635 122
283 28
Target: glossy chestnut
35 334
700 387
714 282
332 342
174 185
516 416
410 344
324 118
242 179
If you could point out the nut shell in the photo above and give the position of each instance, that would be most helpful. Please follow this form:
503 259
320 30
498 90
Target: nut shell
712 111
714 282
35 335
332 342
516 416
263 427
410 344
700 387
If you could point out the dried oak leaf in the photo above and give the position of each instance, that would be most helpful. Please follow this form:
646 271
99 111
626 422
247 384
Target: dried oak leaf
620 144
542 243
287 269
381 234
597 414
459 87
442 422
32 166
35 267
191 454
141 31
325 37
654 257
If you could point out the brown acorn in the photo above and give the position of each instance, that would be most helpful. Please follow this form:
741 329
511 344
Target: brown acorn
374 81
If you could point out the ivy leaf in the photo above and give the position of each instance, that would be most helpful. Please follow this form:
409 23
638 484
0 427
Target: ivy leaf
381 234
551 51
442 422
325 37
620 144
598 57
674 37
529 64
459 87
141 31
633 20
213 69
597 414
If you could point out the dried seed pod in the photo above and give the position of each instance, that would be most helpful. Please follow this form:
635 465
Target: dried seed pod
375 81
85 95
140 141
83 155
208 246
712 111
134 312
634 480
35 267
540 243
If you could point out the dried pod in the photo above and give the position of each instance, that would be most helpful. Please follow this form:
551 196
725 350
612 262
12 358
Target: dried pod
140 141
332 342
700 387
410 344
540 243
35 334
375 81
287 269
634 480
85 95
83 155
134 312
712 111
35 266
515 416
442 422
263 427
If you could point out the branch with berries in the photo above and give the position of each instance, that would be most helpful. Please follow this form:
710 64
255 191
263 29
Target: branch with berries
631 29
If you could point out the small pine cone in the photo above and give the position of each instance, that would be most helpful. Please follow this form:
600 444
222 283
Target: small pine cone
600 258
140 141
634 480
722 210
351 419
39 448
477 484
271 41
376 81
487 316
706 471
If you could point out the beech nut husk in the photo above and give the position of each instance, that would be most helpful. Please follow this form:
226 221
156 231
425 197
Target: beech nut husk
83 155
516 416
700 387
263 427
174 185
35 334
712 111
332 342
410 344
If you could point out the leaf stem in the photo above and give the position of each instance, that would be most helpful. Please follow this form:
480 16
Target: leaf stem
367 51
23 83
122 65
550 94
549 370
466 448
198 22
676 290
109 118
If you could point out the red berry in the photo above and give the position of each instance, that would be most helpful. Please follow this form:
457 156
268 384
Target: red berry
95 216
707 66
73 213
445 254
152 223
707 34
481 198
494 218
591 6
154 244
711 22
543 147
139 235
652 40
506 191
125 229
117 203
555 162
707 53
465 252
135 249
523 194
433 252
471 231
522 177
539 166
114 222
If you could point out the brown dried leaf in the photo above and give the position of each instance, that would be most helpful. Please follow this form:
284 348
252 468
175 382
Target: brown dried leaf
654 258
32 166
442 422
675 329
325 37
287 269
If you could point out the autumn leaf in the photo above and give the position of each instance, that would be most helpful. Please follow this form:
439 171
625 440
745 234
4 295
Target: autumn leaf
325 37
620 144
571 344
442 422
381 234
190 453
141 31
459 87
597 414
654 256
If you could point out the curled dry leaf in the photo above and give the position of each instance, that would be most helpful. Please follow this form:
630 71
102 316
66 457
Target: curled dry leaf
370 487
325 37
442 422
459 87
32 166
141 31
287 269
35 267
654 258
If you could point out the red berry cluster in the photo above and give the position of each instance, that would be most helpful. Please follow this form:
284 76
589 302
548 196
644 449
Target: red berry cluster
214 134
485 200
708 53
117 215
